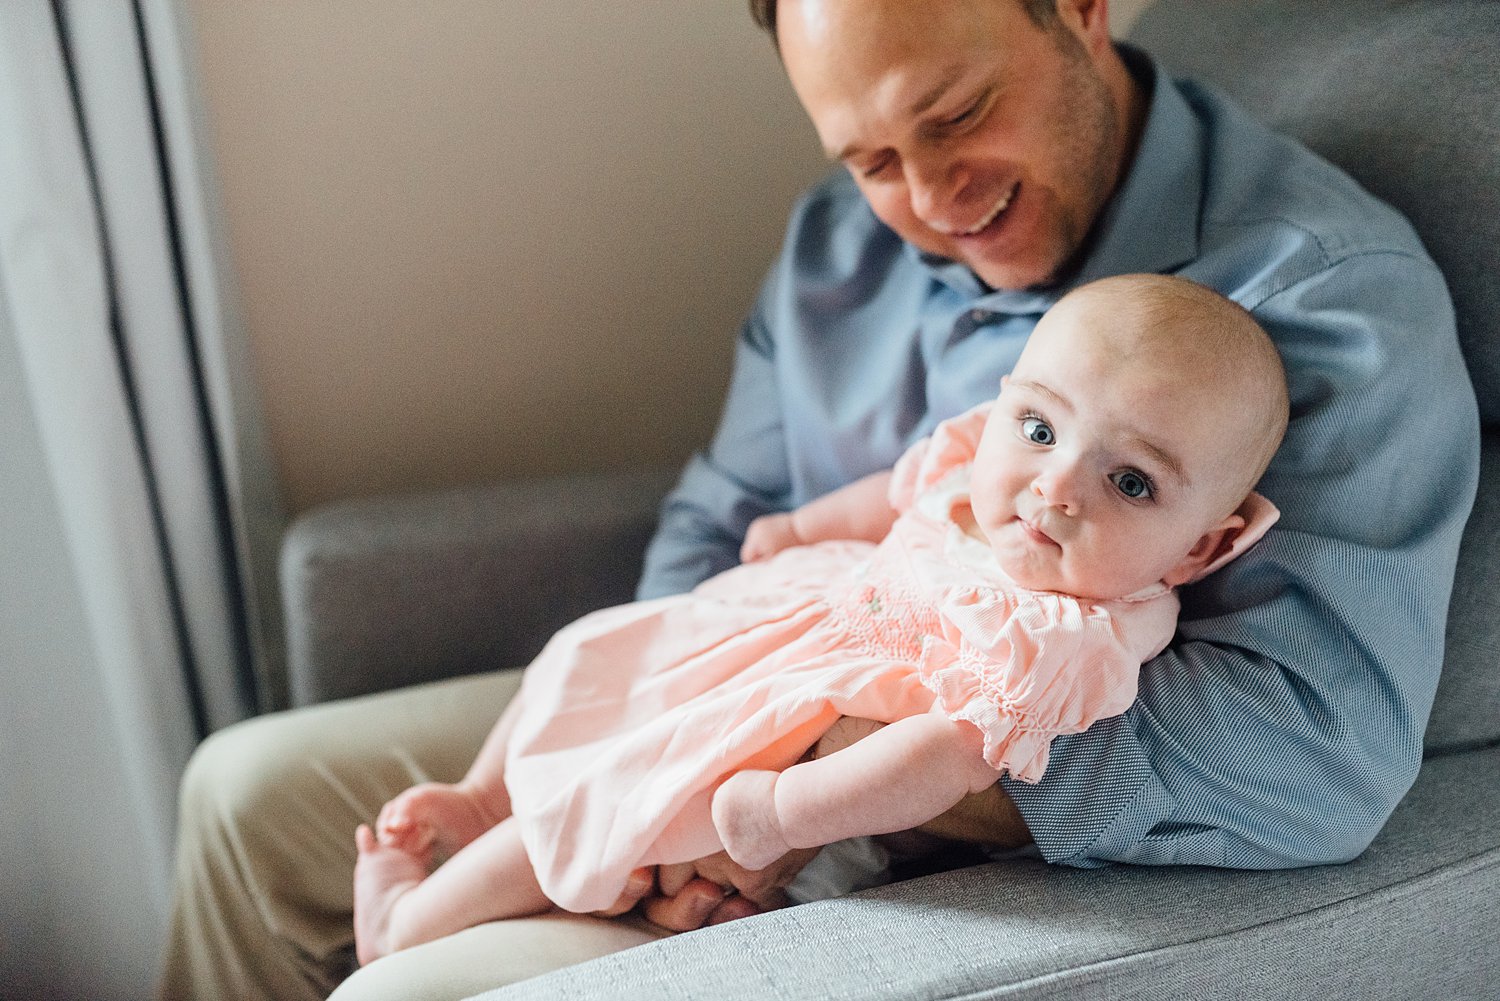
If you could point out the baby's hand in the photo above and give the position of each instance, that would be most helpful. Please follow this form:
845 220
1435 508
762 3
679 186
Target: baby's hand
768 535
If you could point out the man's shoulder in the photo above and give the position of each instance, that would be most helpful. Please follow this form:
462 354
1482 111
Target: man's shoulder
834 201
833 230
835 242
1266 190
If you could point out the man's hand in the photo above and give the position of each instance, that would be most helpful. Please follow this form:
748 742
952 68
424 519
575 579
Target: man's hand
710 891
987 818
768 535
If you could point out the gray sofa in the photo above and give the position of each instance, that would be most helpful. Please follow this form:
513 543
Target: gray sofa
1406 96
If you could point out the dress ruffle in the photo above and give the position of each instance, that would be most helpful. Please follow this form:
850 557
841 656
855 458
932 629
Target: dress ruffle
1024 670
947 451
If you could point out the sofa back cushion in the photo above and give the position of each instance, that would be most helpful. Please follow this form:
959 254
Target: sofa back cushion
1403 96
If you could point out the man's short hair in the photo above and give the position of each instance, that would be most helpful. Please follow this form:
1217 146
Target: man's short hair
1042 12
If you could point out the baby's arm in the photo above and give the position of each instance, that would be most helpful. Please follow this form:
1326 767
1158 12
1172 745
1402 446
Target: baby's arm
900 776
861 510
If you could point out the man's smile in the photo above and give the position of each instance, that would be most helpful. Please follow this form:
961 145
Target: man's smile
1001 204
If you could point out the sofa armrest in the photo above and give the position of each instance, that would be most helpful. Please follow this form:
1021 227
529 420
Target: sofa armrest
1413 917
392 591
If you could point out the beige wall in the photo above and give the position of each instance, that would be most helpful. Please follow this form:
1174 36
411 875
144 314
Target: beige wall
481 239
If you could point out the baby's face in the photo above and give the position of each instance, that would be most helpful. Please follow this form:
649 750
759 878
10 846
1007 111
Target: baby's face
1100 468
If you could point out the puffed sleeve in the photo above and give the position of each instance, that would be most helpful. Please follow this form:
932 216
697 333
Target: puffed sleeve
951 446
1024 670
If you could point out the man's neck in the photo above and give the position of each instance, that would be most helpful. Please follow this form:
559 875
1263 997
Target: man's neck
1131 79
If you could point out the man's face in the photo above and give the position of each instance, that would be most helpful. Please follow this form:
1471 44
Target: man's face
973 133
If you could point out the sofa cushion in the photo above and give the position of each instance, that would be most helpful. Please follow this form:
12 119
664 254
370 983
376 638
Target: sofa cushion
391 591
1406 103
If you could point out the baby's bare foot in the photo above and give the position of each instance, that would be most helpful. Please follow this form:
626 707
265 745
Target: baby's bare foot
433 815
744 813
382 876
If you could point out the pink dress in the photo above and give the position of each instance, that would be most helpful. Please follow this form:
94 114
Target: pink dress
633 715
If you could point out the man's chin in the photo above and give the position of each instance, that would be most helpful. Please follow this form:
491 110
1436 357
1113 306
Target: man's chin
1009 274
1016 276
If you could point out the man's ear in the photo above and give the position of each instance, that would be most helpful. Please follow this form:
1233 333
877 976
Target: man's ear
1088 20
1225 541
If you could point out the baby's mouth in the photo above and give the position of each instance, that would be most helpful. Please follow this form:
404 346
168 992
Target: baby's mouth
1035 533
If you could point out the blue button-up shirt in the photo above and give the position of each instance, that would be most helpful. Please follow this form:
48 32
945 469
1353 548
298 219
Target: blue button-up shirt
1286 719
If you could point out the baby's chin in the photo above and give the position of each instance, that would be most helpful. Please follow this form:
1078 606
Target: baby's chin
1028 577
1032 579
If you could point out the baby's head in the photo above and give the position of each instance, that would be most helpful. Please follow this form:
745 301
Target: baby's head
1125 444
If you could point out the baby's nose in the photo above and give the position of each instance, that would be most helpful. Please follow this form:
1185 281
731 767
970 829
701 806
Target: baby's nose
1059 488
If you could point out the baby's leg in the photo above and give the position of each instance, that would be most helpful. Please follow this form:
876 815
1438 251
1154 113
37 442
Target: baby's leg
395 907
898 777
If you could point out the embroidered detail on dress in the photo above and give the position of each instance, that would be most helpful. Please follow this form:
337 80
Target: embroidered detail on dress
891 621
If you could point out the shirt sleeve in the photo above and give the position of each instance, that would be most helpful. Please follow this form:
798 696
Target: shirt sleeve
1286 721
740 476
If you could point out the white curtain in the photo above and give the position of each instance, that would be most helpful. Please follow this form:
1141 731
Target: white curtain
113 286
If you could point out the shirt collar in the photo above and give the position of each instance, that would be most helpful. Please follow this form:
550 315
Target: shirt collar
1150 225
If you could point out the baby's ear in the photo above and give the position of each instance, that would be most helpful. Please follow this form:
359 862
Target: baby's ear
1226 541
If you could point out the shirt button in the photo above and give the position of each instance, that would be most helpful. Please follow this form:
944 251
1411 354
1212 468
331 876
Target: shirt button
980 315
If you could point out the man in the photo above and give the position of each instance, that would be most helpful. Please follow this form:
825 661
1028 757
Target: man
998 153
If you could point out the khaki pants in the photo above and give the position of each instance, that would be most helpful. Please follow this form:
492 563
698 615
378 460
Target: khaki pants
263 892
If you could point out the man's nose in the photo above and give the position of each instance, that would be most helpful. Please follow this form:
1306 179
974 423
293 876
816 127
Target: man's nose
935 185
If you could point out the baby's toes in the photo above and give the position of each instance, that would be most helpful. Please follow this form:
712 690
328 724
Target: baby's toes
412 838
398 829
393 819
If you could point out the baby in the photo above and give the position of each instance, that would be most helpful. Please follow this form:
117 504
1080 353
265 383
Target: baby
1027 557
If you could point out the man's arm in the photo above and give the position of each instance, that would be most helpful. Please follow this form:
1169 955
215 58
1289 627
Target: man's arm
1286 721
740 476
988 818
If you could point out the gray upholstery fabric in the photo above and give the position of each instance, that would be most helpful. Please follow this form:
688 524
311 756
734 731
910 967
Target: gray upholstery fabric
1414 917
1406 97
393 591
1466 713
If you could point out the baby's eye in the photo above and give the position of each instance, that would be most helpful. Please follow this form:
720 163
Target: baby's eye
1132 484
1038 431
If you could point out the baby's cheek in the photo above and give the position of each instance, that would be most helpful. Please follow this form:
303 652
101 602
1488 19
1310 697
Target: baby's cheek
987 498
